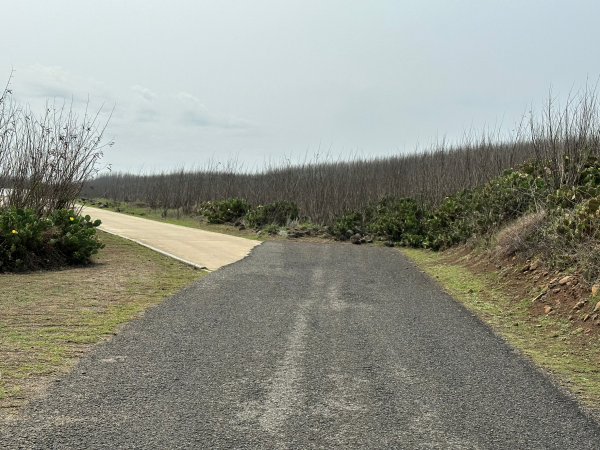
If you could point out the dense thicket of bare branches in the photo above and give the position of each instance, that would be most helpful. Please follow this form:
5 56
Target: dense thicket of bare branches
45 159
323 190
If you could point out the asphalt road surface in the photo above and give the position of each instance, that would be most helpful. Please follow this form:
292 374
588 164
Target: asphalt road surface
306 346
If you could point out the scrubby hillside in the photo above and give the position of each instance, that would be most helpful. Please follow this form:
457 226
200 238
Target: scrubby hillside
536 194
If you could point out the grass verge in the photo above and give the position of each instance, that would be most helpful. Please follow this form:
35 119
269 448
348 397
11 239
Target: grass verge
50 318
554 343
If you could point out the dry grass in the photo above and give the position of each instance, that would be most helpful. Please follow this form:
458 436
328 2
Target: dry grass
49 319
514 237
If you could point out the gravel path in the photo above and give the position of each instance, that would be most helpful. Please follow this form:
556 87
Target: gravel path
306 346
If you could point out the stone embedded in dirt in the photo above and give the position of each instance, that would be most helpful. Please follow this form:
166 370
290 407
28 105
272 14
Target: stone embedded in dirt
586 317
556 290
534 265
579 305
597 307
355 238
540 295
548 309
368 239
571 317
564 280
298 233
595 290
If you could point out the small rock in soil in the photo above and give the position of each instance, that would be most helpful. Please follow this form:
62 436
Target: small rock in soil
564 280
356 238
579 305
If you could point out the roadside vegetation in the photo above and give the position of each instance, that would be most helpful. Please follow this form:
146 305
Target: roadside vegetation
511 227
44 161
537 195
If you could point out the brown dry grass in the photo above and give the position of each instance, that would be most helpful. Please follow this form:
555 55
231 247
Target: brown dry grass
49 319
514 237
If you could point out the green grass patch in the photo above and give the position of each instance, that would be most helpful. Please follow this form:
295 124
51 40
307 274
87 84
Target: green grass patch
552 342
50 318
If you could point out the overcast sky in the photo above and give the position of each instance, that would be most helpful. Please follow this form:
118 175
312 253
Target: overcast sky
270 80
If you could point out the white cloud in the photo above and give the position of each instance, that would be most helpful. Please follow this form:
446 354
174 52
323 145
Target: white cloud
194 113
38 81
144 92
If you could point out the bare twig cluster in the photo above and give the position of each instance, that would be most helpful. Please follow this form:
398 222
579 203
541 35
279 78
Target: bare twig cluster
45 159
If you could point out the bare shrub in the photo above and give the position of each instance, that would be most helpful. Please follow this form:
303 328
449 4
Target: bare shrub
45 159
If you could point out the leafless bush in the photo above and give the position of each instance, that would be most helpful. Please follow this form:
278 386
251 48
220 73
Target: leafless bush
45 159
322 189
566 136
561 138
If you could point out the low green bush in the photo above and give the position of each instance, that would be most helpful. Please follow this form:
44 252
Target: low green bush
28 241
396 219
225 211
346 225
75 237
277 213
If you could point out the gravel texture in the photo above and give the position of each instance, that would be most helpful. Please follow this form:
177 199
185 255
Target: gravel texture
306 346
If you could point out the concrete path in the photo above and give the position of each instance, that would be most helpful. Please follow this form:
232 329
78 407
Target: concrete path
200 248
306 346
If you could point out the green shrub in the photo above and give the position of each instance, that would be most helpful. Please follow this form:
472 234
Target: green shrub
478 212
76 236
586 186
346 225
28 241
24 239
278 213
448 223
397 219
225 211
271 229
